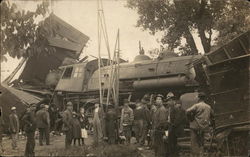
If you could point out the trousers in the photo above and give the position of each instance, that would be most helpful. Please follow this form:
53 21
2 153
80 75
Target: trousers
43 133
98 134
172 143
68 138
197 142
160 146
14 140
30 144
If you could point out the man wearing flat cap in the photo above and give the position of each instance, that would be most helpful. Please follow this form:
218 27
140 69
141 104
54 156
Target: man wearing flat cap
160 124
14 127
201 118
67 124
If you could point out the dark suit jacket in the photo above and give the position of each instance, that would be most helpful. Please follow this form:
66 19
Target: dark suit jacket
178 121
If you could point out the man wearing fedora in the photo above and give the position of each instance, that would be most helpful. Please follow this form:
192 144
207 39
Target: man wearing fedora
67 124
14 127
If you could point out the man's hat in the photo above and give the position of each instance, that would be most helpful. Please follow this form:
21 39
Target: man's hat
170 95
143 100
160 95
13 108
69 104
42 106
74 113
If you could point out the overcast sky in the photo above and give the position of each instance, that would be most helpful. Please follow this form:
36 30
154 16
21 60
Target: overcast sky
82 14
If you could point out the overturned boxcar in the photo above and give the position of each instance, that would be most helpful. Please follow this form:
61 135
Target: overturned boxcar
226 73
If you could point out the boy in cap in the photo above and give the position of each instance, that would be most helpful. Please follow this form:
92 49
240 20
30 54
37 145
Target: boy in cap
127 117
14 127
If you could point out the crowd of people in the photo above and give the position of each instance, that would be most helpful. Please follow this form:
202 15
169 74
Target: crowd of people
155 124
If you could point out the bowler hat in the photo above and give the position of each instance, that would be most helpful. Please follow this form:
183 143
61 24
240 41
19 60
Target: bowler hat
160 95
69 103
170 95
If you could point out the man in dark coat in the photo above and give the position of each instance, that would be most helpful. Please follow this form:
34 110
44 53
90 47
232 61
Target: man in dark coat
176 128
76 129
160 125
201 118
43 124
111 124
14 127
29 121
67 124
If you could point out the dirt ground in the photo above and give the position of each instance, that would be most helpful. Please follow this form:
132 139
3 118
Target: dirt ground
56 148
57 143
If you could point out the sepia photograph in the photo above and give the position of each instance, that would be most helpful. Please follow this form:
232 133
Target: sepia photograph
125 78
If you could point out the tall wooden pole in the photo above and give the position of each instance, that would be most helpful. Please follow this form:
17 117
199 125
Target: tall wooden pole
99 50
118 69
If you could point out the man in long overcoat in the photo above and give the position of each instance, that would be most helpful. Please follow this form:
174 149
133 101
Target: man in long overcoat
160 125
176 127
29 120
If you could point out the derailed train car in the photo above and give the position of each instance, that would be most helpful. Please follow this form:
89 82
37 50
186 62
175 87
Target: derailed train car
226 73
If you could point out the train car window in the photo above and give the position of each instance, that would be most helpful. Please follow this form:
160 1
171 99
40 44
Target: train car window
78 72
67 73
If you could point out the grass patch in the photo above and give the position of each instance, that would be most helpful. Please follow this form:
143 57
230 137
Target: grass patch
100 151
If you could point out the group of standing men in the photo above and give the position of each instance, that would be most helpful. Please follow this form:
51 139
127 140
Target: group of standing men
159 123
31 120
165 122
